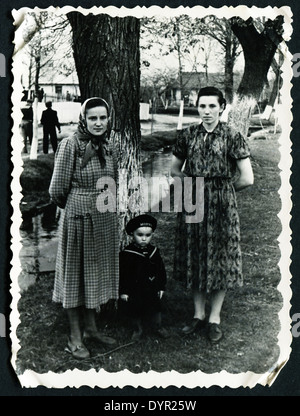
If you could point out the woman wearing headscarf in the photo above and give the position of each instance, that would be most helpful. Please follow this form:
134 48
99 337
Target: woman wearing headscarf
87 260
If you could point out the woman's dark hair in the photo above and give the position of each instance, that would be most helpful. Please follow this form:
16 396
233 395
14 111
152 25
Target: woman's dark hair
207 91
96 102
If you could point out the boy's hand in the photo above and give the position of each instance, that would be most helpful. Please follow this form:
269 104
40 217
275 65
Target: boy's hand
124 297
160 294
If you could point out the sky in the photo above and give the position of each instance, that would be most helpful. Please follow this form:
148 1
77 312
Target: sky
160 62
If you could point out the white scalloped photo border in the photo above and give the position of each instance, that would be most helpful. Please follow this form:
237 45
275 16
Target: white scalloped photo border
102 378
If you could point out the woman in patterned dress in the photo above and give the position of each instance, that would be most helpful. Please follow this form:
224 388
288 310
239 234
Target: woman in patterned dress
87 259
207 254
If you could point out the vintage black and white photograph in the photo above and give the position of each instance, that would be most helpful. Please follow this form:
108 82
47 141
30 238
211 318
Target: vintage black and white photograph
151 196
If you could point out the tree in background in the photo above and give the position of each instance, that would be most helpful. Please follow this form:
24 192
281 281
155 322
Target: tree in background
46 46
107 59
197 44
178 36
220 30
157 85
47 38
259 43
260 40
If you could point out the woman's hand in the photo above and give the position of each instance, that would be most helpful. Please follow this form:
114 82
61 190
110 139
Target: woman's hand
160 294
124 297
246 177
177 165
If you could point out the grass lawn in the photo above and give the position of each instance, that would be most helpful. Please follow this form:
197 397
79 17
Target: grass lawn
249 317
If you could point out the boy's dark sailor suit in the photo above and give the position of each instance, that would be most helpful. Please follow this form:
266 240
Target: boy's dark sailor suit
142 276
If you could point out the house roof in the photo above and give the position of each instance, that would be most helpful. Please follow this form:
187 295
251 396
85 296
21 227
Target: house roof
197 80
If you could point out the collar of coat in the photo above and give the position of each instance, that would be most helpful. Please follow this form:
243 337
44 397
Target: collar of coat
218 129
136 250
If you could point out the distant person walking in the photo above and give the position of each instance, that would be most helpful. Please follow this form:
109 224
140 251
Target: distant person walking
49 121
26 125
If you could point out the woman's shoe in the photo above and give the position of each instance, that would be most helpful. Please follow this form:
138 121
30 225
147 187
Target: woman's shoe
194 325
162 333
80 352
97 336
214 332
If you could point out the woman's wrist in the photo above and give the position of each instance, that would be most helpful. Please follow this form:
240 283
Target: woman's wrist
180 175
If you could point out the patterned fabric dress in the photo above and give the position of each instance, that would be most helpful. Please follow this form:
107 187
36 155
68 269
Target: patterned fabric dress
87 265
207 254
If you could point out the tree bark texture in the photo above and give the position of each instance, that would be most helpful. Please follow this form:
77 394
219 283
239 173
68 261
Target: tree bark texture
107 59
259 50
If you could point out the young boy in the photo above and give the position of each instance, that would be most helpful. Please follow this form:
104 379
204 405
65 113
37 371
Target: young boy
142 276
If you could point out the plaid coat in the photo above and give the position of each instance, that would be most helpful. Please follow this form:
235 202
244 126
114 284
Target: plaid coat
87 266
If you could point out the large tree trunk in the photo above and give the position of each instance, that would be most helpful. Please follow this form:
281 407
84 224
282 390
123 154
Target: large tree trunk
107 58
259 50
220 30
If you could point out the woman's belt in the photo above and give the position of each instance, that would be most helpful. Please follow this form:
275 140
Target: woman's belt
218 181
87 191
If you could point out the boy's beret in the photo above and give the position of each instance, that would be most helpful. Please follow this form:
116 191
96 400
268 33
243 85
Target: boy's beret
143 220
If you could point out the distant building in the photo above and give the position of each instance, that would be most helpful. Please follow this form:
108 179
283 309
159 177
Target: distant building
193 81
58 87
